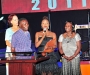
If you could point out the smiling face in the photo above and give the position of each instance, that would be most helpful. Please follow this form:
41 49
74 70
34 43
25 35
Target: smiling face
24 25
14 20
45 24
68 27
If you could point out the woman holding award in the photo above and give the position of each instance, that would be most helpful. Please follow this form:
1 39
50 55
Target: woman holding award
45 41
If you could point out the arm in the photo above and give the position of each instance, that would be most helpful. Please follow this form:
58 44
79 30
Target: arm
38 42
78 43
60 47
55 38
8 43
7 38
13 44
77 51
78 48
61 51
13 50
60 44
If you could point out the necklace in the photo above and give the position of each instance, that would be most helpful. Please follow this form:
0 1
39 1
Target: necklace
69 35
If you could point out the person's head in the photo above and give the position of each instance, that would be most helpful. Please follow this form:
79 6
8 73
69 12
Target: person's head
45 23
69 26
13 20
23 24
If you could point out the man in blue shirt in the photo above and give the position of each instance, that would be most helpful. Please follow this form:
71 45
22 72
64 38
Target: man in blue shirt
21 41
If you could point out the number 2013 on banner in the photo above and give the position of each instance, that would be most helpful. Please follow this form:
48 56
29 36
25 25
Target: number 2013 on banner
52 4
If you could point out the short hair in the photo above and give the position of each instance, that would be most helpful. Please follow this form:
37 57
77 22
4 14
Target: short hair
69 22
21 19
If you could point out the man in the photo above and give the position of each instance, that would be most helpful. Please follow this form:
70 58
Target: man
21 41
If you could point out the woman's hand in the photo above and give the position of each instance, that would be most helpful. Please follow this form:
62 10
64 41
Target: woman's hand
44 34
67 58
48 49
71 57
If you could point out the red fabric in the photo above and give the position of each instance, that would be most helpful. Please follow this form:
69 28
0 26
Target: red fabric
25 6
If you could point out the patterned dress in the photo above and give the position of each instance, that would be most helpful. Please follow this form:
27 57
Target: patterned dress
69 47
48 65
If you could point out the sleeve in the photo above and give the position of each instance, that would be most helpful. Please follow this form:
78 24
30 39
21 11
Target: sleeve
7 35
60 38
77 36
29 36
13 41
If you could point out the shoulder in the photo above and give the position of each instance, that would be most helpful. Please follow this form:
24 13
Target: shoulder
77 36
16 33
38 33
52 33
28 32
64 35
8 29
60 38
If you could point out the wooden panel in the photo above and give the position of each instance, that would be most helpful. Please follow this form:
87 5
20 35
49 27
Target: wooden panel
27 69
14 69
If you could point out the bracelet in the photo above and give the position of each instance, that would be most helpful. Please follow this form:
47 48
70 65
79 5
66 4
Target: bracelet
62 54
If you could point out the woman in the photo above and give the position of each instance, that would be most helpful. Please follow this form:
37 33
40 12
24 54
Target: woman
13 22
69 47
41 38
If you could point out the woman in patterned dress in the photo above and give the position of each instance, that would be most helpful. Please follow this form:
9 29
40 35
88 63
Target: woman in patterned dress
69 47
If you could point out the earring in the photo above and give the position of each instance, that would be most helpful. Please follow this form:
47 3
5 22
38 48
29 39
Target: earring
48 27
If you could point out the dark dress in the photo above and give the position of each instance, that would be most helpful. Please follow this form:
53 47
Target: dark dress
48 65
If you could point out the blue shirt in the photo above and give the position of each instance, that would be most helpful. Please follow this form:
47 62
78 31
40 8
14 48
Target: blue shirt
21 41
8 36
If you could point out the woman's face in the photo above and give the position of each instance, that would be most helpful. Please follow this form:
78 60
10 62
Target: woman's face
45 24
14 20
68 27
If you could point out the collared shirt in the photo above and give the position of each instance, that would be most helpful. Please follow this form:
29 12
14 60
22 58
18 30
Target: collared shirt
21 41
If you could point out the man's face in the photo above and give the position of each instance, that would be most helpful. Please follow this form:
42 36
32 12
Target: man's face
24 25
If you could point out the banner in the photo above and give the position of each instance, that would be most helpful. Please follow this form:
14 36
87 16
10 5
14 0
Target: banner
29 6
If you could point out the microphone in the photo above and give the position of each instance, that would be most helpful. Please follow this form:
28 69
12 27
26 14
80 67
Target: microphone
44 30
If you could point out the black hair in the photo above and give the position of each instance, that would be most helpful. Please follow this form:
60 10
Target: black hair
69 22
45 18
72 25
21 20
